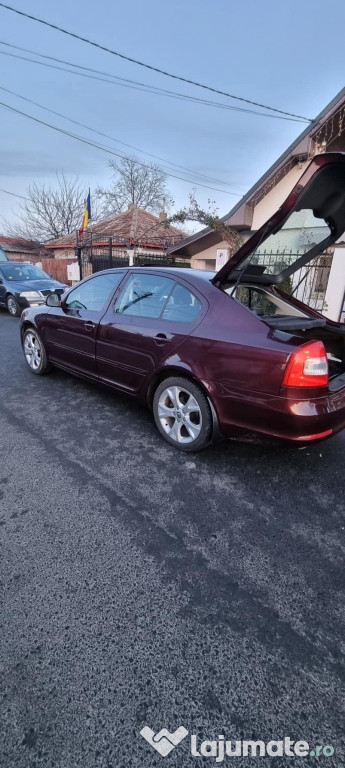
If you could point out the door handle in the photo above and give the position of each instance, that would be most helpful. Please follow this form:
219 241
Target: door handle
89 326
161 338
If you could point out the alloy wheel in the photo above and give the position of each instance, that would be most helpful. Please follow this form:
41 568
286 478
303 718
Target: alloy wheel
32 350
179 414
12 306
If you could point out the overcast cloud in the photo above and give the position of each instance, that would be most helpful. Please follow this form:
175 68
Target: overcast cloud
264 51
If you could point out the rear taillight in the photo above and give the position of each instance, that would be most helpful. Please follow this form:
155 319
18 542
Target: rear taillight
307 366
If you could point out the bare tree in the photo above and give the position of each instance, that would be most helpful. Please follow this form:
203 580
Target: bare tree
144 186
49 212
208 218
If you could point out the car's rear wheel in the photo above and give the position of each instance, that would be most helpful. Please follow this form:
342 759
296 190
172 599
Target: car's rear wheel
182 414
13 306
35 353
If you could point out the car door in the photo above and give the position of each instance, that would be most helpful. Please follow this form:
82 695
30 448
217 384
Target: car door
71 329
150 316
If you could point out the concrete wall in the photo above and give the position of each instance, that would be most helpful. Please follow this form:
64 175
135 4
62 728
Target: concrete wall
62 253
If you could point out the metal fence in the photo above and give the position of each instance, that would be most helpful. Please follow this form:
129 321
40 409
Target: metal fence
309 283
99 252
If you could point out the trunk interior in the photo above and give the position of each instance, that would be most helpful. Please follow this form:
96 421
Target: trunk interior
280 314
334 343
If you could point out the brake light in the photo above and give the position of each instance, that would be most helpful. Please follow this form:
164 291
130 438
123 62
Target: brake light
307 366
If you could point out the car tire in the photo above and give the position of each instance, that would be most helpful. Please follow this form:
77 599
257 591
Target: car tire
12 306
182 414
35 353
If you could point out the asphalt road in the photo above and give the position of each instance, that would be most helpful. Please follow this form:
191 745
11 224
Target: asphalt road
141 586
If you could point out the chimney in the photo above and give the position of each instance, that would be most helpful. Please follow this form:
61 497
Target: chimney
163 216
131 207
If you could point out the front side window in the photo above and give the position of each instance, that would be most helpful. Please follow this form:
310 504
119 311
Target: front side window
144 295
94 293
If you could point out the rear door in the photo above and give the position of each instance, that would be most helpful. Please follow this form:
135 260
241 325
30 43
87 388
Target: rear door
149 318
72 328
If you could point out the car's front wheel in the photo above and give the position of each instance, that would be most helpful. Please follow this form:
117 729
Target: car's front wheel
35 353
13 306
182 414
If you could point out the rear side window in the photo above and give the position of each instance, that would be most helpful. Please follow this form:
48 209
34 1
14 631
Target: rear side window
181 305
144 295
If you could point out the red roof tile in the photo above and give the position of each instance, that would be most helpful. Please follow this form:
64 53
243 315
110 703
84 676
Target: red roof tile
135 225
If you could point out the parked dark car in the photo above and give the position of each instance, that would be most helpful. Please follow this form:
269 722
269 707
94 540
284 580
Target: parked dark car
208 352
24 285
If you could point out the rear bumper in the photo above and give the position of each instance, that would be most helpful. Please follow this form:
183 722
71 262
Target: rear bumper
293 415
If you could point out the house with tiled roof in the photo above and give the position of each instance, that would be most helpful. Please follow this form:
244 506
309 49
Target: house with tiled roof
19 249
133 229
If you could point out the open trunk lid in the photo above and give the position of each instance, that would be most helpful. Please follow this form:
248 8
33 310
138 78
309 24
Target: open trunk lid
317 202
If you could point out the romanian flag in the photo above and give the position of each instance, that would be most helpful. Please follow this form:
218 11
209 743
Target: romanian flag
86 215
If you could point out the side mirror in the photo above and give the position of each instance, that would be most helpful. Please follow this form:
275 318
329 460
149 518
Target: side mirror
53 300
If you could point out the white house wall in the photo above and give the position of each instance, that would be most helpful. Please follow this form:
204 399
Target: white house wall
334 298
201 259
273 200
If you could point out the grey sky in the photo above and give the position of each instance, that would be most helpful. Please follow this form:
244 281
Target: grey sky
285 55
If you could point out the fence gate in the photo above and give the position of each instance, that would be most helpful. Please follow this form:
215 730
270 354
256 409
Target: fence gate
97 252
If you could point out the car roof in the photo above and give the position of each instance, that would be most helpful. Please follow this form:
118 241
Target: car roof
194 275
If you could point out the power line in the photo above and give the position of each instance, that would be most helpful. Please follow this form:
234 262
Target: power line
107 149
133 84
106 136
13 193
149 66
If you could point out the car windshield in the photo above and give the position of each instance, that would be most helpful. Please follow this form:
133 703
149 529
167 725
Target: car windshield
21 272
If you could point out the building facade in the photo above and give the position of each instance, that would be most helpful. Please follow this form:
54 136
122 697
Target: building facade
322 285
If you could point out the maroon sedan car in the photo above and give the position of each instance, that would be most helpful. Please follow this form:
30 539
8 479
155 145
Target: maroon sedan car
227 352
